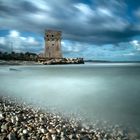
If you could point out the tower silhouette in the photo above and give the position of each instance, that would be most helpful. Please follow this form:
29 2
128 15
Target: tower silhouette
53 44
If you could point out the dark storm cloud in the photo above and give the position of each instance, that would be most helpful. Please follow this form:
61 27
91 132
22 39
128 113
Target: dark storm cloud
6 10
98 21
27 6
16 8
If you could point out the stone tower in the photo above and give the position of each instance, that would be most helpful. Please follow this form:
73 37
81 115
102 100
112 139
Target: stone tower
53 44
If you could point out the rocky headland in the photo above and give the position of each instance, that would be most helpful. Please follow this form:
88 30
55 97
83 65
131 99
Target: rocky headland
55 61
21 121
45 61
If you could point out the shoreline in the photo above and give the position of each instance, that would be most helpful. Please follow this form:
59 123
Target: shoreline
18 62
23 121
63 61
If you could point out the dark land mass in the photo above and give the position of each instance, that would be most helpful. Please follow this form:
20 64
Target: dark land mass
32 58
29 58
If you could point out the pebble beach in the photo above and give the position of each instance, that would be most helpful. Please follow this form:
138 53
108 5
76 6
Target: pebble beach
21 121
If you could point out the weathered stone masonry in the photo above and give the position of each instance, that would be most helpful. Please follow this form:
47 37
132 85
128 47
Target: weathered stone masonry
53 44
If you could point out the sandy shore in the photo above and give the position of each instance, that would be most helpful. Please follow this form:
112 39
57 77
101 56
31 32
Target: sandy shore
21 121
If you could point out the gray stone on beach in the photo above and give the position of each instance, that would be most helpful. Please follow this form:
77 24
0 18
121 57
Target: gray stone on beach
54 137
52 131
65 138
120 133
26 123
22 138
118 138
1 116
15 129
85 138
48 136
72 136
13 119
25 131
3 137
42 130
58 130
4 127
11 136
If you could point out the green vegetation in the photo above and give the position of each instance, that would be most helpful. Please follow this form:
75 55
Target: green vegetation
18 56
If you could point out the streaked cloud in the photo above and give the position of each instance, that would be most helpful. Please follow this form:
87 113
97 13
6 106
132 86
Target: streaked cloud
87 26
100 22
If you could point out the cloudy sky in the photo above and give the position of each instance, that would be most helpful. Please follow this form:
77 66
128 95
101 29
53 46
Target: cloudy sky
93 29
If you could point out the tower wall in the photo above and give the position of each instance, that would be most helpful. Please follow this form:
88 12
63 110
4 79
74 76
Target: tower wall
53 44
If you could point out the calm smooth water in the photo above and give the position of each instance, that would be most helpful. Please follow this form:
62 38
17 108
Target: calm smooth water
103 91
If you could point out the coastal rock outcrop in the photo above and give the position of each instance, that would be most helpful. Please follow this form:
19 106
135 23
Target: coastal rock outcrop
55 61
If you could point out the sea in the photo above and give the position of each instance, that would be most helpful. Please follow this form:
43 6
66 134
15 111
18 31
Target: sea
103 91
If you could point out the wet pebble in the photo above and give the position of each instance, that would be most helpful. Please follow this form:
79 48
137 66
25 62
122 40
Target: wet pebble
11 136
23 122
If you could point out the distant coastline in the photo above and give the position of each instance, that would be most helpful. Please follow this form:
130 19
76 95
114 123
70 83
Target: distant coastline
18 62
63 61
105 61
32 58
29 58
21 62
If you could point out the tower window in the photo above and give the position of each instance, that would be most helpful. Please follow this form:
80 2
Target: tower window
52 35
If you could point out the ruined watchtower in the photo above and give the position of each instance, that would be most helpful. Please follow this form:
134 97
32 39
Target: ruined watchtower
53 44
